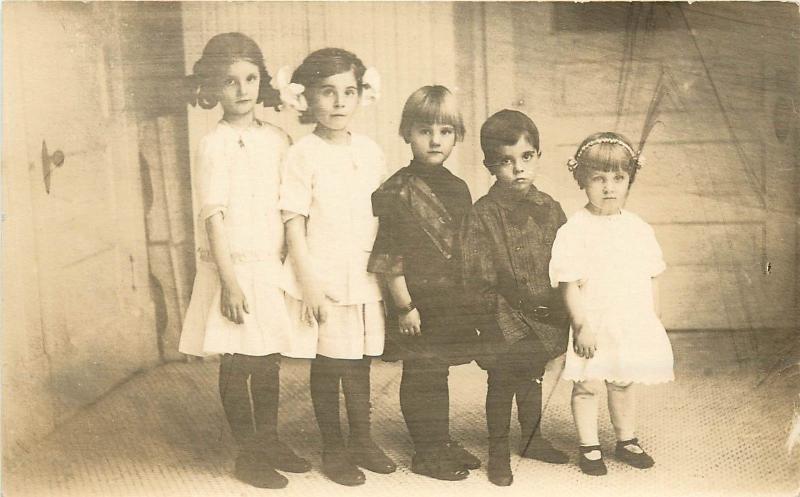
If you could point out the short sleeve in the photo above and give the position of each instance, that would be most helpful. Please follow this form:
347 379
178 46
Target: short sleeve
653 256
296 185
567 262
213 179
384 257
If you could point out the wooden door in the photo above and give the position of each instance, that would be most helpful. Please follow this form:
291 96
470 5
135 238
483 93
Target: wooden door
90 260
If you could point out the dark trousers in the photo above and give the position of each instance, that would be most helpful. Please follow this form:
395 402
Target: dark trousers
242 378
517 374
425 402
327 375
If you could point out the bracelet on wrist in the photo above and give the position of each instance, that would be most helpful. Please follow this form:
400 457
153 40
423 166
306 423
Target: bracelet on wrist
406 309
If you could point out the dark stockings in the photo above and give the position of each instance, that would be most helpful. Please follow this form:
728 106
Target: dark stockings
425 402
242 377
354 376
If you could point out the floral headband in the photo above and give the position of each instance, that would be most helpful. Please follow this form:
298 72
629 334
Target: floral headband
291 94
638 158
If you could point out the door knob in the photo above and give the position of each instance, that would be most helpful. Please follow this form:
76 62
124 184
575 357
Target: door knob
49 163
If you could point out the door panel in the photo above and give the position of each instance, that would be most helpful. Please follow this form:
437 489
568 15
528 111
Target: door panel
91 265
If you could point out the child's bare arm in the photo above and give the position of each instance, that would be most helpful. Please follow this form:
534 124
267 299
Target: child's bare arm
313 295
410 321
233 303
583 338
656 296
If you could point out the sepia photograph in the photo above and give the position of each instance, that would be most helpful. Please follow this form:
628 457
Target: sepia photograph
393 248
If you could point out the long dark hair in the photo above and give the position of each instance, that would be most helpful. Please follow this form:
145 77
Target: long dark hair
220 52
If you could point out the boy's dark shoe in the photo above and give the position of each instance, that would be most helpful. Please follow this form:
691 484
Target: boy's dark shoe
338 467
254 470
459 454
499 467
439 464
590 466
499 471
369 456
639 460
541 449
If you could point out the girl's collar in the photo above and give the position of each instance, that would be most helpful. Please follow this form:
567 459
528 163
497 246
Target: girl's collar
335 144
603 216
255 123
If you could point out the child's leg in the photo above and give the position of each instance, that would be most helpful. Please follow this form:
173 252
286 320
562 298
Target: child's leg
356 386
234 372
584 411
622 409
528 392
235 395
499 397
265 390
326 375
425 402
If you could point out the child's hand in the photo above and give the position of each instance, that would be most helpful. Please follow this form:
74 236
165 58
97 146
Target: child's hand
410 323
233 303
584 341
316 304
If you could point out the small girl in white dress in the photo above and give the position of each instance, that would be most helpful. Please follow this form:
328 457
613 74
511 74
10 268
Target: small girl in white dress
606 260
237 307
335 304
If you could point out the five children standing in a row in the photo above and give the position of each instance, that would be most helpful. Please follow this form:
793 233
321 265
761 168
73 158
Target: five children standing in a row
462 282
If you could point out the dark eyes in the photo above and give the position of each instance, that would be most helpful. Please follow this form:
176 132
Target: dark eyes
618 178
232 81
429 131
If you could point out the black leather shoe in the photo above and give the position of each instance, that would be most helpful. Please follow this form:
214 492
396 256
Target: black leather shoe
461 455
639 460
338 467
256 471
589 466
283 458
437 464
369 456
542 450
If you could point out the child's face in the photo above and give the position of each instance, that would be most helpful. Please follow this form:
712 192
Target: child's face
239 91
515 166
607 191
333 100
431 144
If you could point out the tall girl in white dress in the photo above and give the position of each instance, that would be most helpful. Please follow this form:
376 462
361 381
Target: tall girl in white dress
606 260
334 303
237 307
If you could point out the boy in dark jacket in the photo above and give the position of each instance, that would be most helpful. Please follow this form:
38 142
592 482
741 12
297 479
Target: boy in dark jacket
506 241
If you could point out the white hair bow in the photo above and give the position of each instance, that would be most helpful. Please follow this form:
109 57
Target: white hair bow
291 94
371 86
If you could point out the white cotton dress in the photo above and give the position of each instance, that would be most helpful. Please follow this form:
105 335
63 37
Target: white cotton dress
237 173
614 258
331 186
